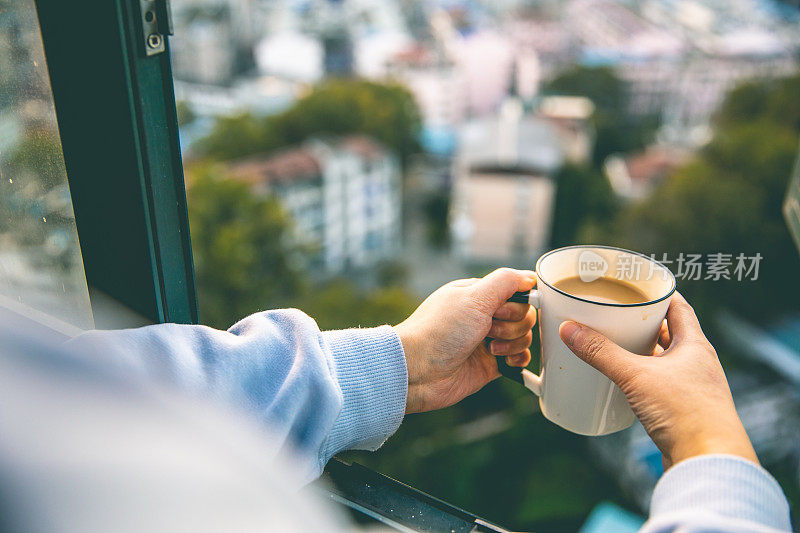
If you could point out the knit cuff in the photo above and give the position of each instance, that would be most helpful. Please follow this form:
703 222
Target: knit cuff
724 485
370 367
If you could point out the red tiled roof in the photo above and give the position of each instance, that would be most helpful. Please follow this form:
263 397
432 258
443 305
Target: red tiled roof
288 165
654 164
363 145
299 163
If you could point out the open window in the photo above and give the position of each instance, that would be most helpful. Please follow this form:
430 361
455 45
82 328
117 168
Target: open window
527 131
117 229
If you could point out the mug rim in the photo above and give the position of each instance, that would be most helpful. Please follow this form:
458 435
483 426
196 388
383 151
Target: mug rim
617 248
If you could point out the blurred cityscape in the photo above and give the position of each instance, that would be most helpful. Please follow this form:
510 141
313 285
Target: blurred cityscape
413 142
348 157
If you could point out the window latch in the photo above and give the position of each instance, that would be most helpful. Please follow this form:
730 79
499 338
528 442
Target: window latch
156 17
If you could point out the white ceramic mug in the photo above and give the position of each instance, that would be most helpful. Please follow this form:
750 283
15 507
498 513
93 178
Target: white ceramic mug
572 393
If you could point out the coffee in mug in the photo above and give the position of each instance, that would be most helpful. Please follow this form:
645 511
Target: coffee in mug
607 290
622 294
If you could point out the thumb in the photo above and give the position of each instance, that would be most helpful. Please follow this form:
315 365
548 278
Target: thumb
497 287
595 349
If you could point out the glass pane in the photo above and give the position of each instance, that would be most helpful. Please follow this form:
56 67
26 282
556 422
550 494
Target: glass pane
347 157
40 259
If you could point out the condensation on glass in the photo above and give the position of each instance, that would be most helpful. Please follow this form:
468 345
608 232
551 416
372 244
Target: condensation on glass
41 270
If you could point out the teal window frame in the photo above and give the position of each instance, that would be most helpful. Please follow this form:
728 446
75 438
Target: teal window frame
119 132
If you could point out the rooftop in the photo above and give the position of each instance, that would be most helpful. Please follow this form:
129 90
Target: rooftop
636 175
302 162
511 140
287 165
653 164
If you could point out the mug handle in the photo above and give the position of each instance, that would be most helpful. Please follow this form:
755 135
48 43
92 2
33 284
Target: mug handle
523 376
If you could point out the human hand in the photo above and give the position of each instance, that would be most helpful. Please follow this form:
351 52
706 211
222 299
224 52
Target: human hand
680 394
443 339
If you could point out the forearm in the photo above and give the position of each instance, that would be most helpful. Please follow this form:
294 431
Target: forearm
315 393
717 493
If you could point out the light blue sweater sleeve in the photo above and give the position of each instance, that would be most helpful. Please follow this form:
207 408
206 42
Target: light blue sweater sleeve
717 493
315 393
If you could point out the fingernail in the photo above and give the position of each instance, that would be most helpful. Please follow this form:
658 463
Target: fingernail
496 347
568 330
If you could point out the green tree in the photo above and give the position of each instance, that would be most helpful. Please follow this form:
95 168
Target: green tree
340 304
243 258
583 196
615 130
436 208
240 136
392 273
728 200
245 261
599 84
336 107
386 112
775 101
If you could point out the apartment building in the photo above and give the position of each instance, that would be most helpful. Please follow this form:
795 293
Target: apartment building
504 188
342 193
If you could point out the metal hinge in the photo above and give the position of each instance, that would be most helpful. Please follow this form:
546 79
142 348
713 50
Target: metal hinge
156 25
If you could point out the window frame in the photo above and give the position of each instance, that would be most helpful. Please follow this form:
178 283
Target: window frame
119 131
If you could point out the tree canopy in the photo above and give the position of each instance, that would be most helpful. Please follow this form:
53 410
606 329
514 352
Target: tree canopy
243 258
339 304
336 107
245 261
599 84
616 130
583 196
728 200
775 102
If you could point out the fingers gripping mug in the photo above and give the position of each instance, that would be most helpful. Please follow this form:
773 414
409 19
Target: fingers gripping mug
571 393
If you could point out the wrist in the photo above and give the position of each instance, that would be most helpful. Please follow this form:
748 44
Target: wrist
728 439
414 401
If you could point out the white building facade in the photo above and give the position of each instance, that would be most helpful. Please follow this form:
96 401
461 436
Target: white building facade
344 196
504 188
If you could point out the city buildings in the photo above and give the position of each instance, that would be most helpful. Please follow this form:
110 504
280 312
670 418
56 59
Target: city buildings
440 90
680 58
504 177
205 51
476 70
548 39
343 195
216 38
504 190
571 118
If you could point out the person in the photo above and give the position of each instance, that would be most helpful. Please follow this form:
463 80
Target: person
183 427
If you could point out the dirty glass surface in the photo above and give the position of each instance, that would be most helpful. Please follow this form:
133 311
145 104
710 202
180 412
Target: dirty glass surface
41 271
